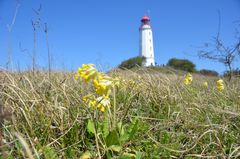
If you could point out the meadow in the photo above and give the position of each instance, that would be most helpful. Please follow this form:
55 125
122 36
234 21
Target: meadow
147 114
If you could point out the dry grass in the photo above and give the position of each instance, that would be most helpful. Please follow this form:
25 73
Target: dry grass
49 118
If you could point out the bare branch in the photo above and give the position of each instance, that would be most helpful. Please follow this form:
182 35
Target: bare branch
219 52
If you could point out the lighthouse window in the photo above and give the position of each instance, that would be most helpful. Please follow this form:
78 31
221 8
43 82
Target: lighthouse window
149 33
150 48
150 40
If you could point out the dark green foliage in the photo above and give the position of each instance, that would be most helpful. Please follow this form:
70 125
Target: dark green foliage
182 64
208 72
50 153
132 62
112 138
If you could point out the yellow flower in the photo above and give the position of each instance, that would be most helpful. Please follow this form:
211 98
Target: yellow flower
90 100
205 84
188 79
85 99
103 102
220 85
219 82
92 103
102 109
87 72
103 84
99 103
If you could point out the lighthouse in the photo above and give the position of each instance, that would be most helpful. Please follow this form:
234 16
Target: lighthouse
146 41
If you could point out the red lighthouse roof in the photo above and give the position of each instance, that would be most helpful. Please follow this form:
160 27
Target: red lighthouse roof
145 19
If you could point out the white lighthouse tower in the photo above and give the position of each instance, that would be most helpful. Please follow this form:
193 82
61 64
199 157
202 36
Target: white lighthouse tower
146 41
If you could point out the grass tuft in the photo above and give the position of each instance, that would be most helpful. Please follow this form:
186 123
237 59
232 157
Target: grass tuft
163 117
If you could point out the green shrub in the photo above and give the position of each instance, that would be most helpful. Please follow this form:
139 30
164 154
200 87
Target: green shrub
182 64
132 62
208 72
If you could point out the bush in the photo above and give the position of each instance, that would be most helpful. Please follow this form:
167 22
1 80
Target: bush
208 72
182 64
132 62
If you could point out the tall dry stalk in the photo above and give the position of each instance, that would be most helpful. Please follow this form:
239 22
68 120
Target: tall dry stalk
48 50
9 64
35 25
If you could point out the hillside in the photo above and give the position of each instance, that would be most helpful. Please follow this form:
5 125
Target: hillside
152 115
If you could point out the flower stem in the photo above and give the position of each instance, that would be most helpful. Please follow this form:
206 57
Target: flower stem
114 108
96 137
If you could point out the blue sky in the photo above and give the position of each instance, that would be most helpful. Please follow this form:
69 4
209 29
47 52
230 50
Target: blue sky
105 32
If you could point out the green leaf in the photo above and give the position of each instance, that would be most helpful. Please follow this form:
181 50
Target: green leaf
119 126
112 138
133 129
115 148
124 137
108 155
49 153
86 155
105 127
165 138
139 155
90 126
128 156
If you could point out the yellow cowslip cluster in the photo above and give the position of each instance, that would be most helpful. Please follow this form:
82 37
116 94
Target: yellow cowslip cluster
103 102
188 79
205 84
97 103
102 84
90 100
220 85
86 72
